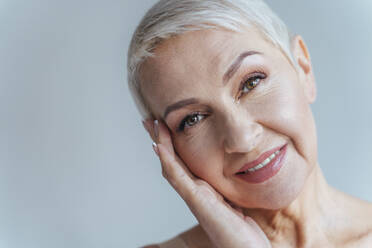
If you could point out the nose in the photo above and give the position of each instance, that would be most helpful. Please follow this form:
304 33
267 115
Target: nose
241 133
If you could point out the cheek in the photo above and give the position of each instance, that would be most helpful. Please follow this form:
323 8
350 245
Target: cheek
287 112
200 153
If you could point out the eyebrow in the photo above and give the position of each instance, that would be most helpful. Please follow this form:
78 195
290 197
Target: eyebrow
236 64
179 105
226 77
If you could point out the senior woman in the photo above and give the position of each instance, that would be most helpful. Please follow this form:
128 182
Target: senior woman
225 92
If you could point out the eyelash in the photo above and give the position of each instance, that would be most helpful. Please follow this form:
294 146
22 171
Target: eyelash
255 75
183 123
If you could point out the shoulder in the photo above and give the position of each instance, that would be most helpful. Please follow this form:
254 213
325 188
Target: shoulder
361 225
194 237
175 242
363 241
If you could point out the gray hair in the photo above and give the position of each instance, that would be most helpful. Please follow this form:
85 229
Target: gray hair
168 18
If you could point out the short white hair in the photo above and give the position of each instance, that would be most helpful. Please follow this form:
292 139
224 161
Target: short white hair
168 18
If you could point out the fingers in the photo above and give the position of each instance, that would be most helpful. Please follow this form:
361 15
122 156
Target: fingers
148 124
155 128
176 173
163 136
173 168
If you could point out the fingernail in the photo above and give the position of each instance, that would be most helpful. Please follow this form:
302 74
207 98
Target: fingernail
155 147
156 128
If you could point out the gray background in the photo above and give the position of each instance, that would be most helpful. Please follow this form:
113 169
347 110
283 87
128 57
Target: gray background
77 168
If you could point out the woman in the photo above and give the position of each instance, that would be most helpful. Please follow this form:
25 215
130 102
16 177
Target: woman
225 92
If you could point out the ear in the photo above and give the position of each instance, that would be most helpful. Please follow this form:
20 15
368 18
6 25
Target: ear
304 69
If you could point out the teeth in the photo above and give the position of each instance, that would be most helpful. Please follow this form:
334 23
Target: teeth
264 163
259 166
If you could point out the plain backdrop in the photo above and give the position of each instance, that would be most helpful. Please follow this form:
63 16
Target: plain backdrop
76 167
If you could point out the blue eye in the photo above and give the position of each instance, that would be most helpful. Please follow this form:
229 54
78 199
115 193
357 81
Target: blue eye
251 83
190 120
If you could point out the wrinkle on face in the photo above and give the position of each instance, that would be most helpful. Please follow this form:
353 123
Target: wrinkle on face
192 65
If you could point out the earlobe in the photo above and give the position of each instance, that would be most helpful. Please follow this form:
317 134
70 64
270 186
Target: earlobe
304 69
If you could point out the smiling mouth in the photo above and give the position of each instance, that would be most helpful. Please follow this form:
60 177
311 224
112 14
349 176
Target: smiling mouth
261 162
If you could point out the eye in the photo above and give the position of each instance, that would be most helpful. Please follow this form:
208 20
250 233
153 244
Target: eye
190 120
251 82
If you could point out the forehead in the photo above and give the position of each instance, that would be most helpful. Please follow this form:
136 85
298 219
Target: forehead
189 64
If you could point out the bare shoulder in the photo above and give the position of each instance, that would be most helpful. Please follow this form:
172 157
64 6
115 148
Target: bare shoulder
194 237
364 241
367 240
363 225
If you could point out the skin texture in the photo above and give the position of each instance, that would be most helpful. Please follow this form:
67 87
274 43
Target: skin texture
230 125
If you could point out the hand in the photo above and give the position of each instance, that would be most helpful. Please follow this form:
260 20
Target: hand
223 222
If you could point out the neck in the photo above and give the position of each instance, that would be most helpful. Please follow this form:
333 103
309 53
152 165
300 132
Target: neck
305 219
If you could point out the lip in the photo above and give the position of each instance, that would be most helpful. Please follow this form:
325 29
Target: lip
266 172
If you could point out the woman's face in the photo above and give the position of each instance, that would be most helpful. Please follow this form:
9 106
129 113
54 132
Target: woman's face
229 97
